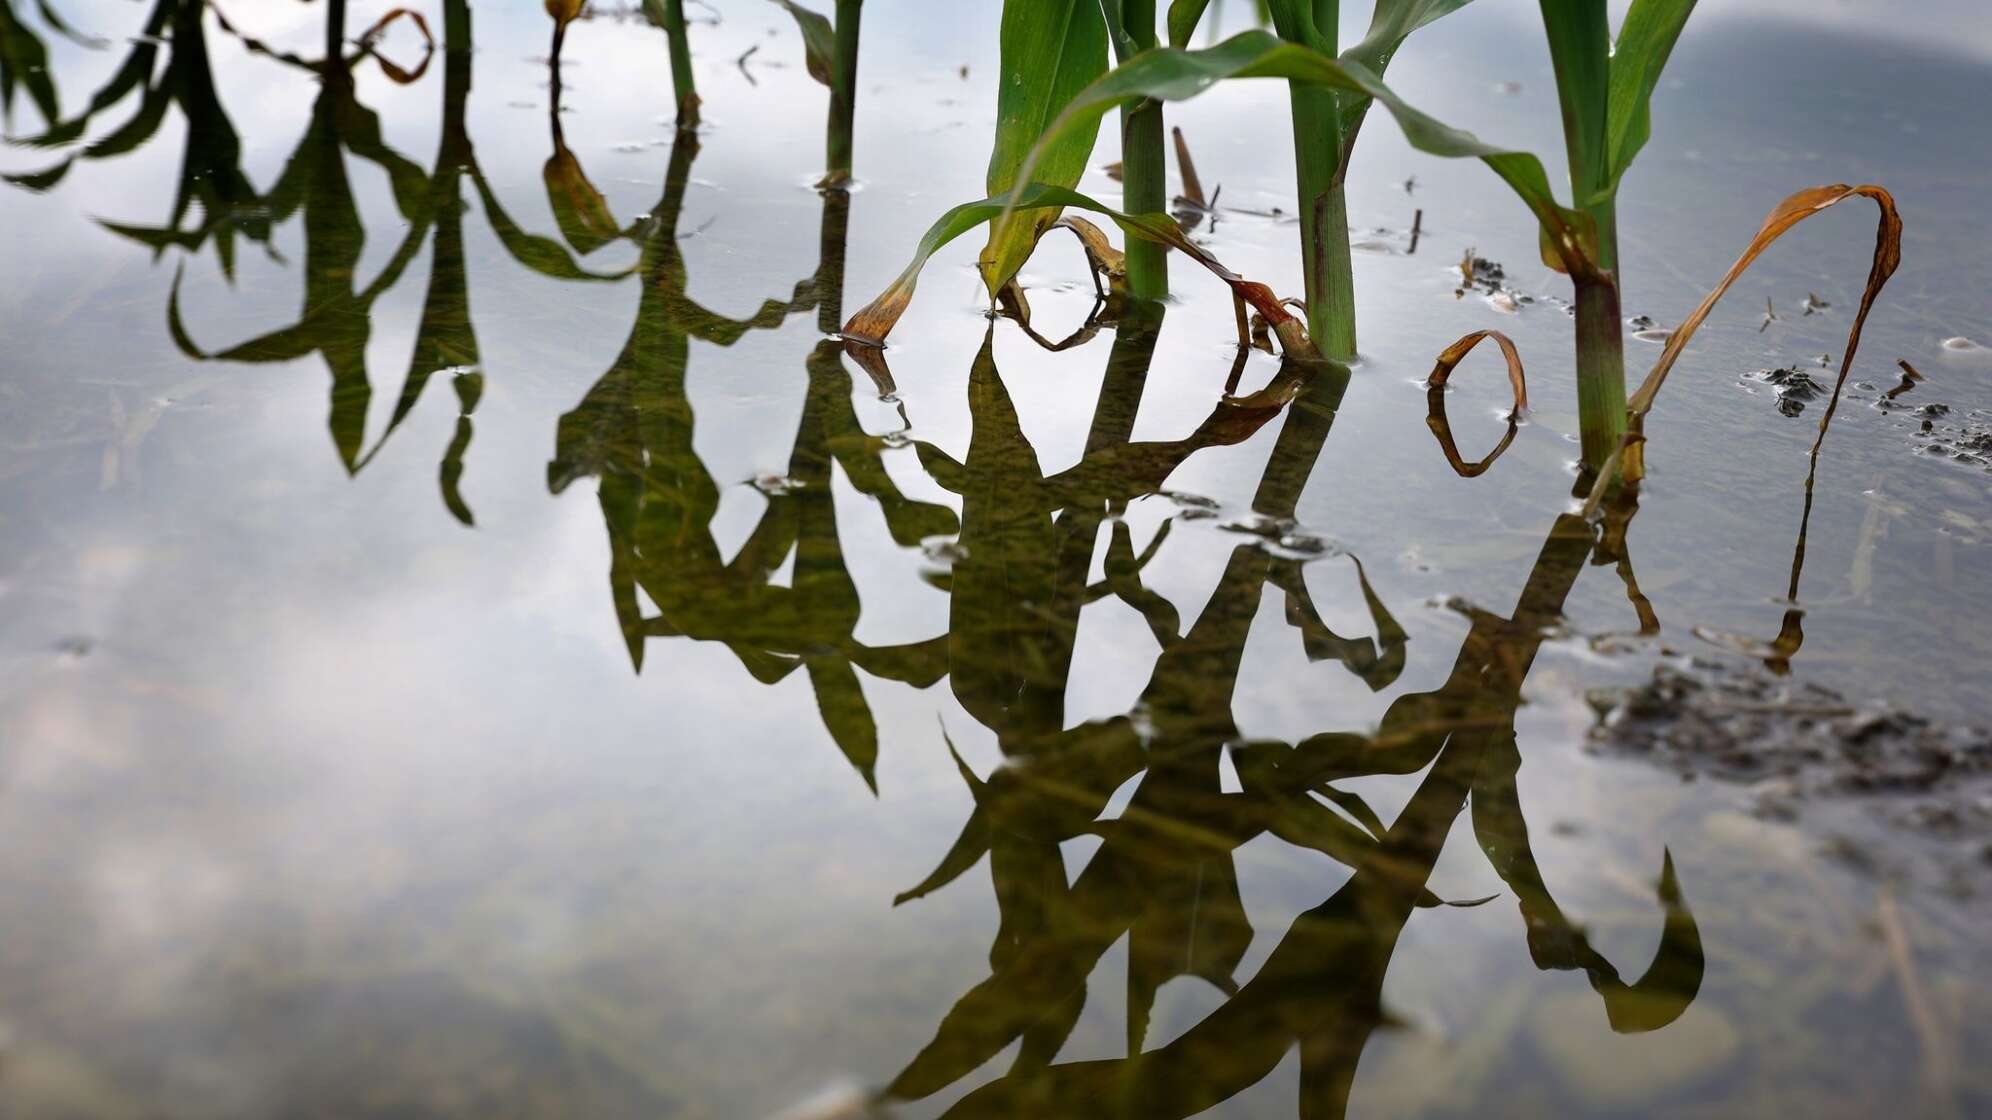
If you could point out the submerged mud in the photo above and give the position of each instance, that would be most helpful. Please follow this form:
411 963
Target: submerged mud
1923 785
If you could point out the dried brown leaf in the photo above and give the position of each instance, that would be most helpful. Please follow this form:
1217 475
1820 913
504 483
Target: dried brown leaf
1630 461
1435 400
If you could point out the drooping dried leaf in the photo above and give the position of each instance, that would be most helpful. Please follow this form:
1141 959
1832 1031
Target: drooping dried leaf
1436 400
1630 462
875 320
1107 262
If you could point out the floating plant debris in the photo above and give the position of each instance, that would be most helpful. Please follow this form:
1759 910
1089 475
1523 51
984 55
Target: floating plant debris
1910 377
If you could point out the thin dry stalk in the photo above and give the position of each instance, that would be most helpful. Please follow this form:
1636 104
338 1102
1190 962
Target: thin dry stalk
1629 462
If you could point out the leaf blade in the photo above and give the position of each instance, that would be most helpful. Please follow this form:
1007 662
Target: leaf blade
1183 18
819 40
1051 50
1169 74
1645 40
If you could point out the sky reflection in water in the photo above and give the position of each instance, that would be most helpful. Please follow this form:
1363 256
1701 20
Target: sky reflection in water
1049 679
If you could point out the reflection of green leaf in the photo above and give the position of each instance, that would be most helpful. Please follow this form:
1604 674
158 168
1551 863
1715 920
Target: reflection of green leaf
24 64
40 180
578 208
1669 984
1008 568
451 473
845 712
1194 925
968 848
136 69
541 254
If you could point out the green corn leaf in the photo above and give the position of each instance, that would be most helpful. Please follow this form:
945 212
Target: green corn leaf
1051 49
1644 42
1294 20
819 40
1170 74
1580 42
1183 17
1391 23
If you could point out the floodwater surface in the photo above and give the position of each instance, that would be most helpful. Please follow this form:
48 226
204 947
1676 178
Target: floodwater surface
473 643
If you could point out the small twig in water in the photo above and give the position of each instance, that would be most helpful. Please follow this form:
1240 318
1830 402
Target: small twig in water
1910 376
1417 226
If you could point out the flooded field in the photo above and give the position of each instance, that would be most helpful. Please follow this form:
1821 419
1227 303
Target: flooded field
478 640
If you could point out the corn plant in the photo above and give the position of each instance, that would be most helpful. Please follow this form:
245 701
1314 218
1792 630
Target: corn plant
1144 175
1605 94
1334 95
1325 124
830 52
1050 50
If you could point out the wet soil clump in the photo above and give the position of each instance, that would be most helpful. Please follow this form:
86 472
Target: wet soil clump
1747 725
1894 790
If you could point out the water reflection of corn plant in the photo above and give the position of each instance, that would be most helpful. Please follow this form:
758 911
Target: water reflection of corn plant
634 431
1163 875
24 66
211 176
214 200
